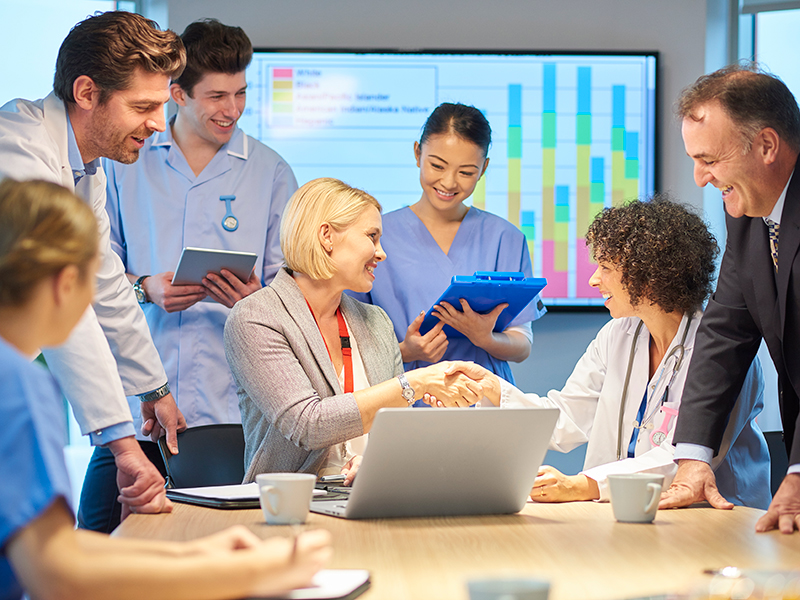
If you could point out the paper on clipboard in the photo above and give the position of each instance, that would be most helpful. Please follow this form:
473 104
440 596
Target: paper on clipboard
243 495
484 291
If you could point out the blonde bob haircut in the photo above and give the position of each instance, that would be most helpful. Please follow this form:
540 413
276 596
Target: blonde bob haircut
43 228
319 202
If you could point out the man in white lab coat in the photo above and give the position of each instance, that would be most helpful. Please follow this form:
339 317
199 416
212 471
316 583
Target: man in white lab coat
112 80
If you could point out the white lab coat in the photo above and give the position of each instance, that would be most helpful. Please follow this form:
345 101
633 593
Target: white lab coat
33 145
590 403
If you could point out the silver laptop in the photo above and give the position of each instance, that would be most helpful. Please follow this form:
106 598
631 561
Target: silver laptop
432 462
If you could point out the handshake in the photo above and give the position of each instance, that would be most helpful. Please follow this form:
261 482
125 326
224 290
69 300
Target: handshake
455 384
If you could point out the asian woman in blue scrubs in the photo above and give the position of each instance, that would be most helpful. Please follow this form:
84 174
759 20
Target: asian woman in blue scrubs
48 260
440 236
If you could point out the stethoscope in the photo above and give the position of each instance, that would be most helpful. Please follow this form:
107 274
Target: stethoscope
229 221
677 352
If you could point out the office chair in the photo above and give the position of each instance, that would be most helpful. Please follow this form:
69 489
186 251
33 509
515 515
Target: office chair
208 455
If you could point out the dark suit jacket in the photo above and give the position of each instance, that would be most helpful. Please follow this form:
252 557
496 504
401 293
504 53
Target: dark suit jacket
750 302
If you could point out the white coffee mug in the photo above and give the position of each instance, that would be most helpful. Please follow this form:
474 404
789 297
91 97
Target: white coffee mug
285 497
635 496
522 588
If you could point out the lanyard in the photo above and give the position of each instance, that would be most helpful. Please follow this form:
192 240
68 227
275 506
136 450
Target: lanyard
677 351
347 351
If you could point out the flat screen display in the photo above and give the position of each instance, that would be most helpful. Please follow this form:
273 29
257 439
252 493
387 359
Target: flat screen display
572 133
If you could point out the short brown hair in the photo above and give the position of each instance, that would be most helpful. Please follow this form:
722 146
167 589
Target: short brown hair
109 47
751 97
43 228
317 202
665 252
212 47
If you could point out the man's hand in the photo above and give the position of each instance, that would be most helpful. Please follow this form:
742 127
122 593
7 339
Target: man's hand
429 347
140 484
694 482
163 417
227 289
784 510
172 298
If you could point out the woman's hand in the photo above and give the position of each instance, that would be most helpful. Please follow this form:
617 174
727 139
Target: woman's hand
476 327
172 298
351 469
449 390
429 347
552 485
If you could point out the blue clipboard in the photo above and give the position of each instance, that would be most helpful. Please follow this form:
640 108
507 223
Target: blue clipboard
485 290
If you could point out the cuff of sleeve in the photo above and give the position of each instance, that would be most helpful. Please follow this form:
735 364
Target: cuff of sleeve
693 452
794 469
101 437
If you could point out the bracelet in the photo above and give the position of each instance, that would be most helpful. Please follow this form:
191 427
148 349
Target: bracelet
156 394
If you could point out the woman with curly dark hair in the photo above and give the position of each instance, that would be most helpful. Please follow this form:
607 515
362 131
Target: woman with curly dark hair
655 269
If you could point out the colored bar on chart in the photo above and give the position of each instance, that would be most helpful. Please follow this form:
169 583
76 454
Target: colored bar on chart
631 164
479 195
584 267
618 145
282 100
528 227
557 285
584 142
514 152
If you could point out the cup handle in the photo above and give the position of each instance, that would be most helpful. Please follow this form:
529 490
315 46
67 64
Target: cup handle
655 496
272 491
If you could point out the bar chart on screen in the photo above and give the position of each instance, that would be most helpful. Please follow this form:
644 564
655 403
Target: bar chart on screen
572 134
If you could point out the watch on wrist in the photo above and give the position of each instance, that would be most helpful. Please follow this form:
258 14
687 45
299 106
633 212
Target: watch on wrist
408 391
155 394
141 296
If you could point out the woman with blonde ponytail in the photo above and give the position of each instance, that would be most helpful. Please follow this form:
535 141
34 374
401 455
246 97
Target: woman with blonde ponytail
48 260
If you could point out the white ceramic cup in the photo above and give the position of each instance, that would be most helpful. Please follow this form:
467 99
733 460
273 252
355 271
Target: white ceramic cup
523 588
285 497
635 496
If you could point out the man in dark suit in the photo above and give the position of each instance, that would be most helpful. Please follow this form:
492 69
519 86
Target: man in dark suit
741 127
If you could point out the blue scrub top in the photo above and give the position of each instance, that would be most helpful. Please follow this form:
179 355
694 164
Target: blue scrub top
416 272
32 470
157 206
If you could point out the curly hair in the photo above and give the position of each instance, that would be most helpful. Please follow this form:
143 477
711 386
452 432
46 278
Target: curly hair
665 252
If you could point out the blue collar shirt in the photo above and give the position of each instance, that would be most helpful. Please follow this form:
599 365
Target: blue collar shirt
157 206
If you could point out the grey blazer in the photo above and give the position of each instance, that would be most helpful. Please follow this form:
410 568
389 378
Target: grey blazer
293 409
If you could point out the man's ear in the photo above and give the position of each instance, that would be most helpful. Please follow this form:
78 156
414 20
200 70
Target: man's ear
86 92
770 143
178 94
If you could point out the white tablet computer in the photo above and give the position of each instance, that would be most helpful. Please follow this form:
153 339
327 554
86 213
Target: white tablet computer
196 263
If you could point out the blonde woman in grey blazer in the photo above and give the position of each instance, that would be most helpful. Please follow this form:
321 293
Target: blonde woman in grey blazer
284 345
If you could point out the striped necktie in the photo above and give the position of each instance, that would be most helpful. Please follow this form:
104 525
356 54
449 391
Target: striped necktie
774 230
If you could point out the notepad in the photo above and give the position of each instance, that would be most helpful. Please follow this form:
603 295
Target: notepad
243 495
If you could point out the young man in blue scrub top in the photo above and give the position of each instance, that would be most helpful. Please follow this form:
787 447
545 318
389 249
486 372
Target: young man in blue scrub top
200 183
111 82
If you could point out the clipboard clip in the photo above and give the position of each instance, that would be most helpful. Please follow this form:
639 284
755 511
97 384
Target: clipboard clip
499 275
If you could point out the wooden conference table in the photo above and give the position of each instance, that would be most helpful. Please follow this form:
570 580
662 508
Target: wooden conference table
578 547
